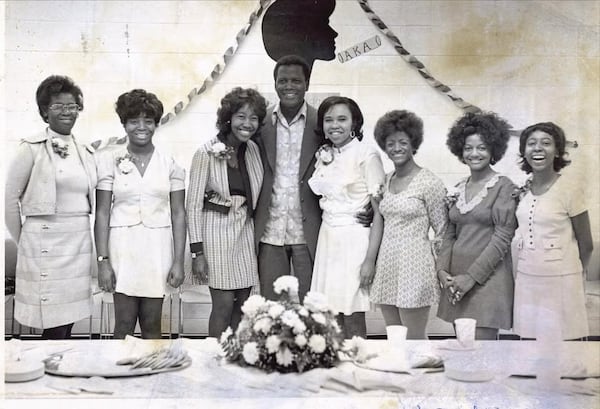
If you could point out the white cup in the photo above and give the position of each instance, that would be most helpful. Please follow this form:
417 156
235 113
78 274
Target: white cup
396 335
465 331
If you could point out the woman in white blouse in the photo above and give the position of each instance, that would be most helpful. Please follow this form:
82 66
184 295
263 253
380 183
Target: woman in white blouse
553 241
348 175
51 182
140 219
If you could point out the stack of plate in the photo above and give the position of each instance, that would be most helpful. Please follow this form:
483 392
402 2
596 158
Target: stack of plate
23 370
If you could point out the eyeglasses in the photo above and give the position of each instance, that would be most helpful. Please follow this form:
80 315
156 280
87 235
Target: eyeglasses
71 108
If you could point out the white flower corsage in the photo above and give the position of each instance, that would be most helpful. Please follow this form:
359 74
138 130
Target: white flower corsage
220 151
60 147
125 163
325 154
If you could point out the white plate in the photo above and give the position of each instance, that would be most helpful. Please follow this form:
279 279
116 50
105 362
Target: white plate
23 371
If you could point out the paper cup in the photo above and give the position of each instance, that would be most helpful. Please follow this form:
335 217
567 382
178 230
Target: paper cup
396 335
465 331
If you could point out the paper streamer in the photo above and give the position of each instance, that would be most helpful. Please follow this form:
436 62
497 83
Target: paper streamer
220 67
414 61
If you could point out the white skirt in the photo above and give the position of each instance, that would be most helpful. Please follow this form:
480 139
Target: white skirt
537 297
141 258
340 253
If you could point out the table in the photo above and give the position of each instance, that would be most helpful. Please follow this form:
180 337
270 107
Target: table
218 384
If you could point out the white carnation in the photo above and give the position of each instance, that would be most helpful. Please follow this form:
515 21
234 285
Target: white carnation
250 353
275 310
218 147
299 327
286 283
300 340
289 318
317 343
263 325
253 304
272 343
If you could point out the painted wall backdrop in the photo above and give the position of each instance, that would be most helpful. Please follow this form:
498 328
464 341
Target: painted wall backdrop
529 61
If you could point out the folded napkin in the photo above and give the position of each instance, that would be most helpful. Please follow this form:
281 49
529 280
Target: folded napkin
344 377
391 360
75 386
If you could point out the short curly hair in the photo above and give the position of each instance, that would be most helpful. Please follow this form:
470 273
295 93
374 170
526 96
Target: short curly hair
357 116
52 86
136 102
292 59
399 121
232 102
493 130
560 141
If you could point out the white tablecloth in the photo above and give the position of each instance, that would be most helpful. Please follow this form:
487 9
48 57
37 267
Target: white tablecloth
215 383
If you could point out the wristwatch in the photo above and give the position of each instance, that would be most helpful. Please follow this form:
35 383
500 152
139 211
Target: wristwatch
102 258
195 255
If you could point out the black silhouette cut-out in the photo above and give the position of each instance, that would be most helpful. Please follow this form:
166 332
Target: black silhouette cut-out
300 27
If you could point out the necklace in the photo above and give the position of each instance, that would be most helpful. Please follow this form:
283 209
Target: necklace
142 160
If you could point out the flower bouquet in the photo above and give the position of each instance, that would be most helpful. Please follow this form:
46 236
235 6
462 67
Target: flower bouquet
285 335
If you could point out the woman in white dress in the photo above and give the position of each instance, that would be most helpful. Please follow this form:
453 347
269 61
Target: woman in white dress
348 175
553 242
140 219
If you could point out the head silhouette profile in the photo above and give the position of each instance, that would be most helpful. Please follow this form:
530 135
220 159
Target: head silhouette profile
299 27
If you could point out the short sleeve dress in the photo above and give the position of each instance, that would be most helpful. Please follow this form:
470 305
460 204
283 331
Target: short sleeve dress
405 274
549 279
346 186
140 240
477 243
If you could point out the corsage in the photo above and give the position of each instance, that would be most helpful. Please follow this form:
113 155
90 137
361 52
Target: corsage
220 151
325 154
60 147
125 163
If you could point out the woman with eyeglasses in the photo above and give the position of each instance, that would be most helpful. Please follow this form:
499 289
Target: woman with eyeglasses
51 183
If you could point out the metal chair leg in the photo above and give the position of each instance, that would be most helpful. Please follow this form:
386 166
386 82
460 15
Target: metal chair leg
171 316
180 317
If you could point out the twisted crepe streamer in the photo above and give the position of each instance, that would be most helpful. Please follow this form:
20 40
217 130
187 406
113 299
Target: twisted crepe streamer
414 62
220 67
216 72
